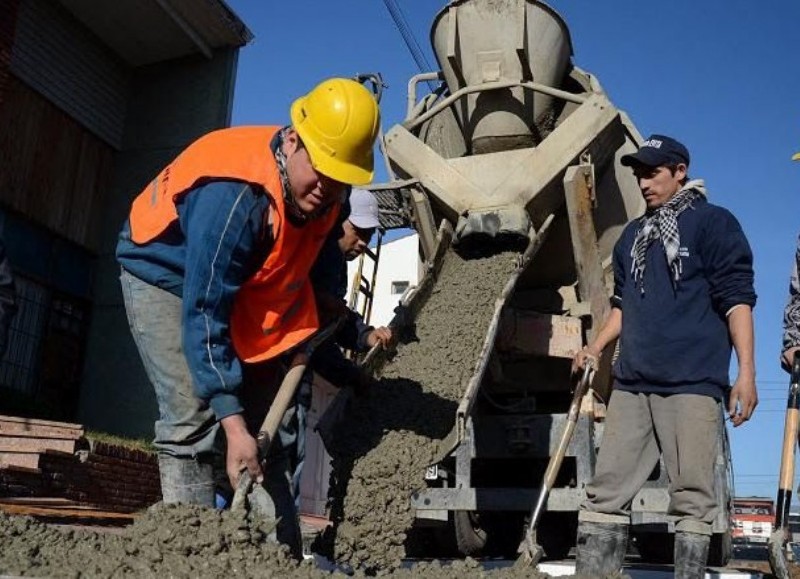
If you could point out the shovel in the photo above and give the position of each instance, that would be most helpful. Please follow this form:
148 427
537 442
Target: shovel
777 546
530 550
256 495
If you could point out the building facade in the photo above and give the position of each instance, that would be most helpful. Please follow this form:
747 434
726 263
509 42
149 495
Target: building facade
398 271
95 98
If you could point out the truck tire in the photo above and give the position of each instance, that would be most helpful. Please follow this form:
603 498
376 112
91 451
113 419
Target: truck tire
470 537
719 552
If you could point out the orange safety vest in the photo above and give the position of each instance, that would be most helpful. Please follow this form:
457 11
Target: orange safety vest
275 309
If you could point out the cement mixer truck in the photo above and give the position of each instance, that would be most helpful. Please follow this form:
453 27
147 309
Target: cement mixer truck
518 147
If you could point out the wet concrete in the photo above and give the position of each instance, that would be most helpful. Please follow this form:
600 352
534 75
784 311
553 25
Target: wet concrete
380 458
182 541
167 541
390 438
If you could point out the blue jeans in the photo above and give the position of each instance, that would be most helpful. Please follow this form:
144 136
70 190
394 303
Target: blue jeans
302 406
187 435
186 427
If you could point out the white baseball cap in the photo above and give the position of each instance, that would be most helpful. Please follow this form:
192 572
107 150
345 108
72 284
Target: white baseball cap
363 209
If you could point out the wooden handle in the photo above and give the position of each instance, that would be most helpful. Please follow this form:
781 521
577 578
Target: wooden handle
790 427
283 399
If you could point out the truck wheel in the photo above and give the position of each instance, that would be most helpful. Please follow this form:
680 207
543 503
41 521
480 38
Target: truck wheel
470 537
719 552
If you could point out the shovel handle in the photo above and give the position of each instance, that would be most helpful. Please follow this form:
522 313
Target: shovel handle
285 396
790 431
554 464
283 399
271 423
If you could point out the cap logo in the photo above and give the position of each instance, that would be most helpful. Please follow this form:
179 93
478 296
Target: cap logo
654 143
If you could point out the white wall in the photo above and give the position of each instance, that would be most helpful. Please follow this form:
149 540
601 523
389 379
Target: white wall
399 262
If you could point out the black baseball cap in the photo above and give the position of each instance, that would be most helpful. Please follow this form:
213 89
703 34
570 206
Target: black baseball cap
658 150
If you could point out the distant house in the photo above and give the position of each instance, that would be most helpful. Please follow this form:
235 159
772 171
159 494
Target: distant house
753 518
398 271
95 98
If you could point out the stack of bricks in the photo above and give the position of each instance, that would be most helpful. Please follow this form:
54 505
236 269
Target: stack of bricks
123 479
41 458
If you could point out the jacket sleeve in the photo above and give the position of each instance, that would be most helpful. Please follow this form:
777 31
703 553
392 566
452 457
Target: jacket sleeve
8 300
620 275
223 223
791 313
727 261
353 333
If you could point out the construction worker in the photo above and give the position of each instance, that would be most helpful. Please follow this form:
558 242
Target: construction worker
8 302
347 241
791 313
215 259
683 293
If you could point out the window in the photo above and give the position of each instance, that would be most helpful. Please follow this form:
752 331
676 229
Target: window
399 287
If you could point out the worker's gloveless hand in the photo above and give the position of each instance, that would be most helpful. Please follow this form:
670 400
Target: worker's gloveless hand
242 451
380 336
589 354
787 357
743 399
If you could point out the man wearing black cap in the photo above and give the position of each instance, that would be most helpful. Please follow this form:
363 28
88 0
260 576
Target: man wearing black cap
683 293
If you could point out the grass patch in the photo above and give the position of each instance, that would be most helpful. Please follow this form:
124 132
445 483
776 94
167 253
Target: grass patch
135 443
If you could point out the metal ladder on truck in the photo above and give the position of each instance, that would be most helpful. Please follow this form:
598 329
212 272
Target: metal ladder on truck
362 291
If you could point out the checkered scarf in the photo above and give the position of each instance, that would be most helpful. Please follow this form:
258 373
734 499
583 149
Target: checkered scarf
662 224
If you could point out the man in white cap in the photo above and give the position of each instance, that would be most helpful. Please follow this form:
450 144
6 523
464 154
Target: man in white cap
347 241
359 218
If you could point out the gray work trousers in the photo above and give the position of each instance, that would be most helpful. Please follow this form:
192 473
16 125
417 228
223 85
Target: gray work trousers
187 432
639 427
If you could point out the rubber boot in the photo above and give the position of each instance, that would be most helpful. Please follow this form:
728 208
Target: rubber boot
186 480
691 555
600 549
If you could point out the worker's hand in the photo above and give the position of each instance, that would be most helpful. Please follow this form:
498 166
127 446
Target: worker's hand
744 398
380 336
242 452
787 357
589 354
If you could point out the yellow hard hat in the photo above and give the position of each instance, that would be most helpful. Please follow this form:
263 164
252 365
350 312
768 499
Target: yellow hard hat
338 122
796 157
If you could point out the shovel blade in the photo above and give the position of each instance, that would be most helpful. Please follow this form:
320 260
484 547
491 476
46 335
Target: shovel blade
776 550
531 552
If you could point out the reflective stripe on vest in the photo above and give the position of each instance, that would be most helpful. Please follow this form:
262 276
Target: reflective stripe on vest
275 309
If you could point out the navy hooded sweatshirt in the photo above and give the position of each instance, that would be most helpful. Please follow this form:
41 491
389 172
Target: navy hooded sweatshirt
675 337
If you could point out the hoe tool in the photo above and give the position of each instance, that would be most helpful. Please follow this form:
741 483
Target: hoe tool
777 547
255 494
530 550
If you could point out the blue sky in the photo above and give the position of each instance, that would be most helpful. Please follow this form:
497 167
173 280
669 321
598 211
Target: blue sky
721 76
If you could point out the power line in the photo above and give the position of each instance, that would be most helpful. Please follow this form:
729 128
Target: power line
410 40
408 36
